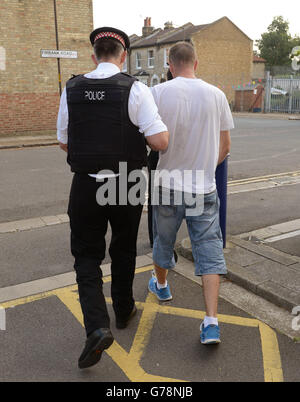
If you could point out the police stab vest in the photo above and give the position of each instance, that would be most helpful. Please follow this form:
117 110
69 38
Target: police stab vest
100 133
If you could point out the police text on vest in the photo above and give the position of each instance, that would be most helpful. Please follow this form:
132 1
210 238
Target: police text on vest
94 95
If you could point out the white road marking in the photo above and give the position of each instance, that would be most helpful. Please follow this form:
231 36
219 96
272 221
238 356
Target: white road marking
273 233
283 236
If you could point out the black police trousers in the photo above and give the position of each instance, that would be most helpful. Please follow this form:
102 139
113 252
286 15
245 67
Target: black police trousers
89 223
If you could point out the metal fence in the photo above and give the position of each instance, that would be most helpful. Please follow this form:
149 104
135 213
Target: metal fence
282 95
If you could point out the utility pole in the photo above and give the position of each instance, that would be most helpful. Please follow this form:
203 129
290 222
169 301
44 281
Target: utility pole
57 46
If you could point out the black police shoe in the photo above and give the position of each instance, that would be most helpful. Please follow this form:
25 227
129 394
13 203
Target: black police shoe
96 343
121 323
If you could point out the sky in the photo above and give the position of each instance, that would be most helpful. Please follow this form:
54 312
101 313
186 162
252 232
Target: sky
252 17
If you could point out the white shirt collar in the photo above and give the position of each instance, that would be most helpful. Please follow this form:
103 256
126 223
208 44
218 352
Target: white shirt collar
103 70
107 68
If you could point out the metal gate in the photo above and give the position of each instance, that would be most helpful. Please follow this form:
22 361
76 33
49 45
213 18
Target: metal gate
282 95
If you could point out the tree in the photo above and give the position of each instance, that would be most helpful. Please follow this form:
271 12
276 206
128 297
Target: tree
275 46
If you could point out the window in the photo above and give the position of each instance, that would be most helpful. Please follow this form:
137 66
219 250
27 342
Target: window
150 58
138 61
166 57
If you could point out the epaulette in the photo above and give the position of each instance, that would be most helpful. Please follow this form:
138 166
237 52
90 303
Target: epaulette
74 76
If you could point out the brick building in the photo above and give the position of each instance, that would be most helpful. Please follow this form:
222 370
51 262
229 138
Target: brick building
29 94
224 52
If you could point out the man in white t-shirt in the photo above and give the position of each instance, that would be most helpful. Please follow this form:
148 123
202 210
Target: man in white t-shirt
199 121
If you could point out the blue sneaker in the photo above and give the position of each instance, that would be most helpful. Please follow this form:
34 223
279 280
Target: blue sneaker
162 294
210 335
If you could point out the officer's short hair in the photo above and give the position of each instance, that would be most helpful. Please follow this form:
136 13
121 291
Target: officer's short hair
107 48
182 53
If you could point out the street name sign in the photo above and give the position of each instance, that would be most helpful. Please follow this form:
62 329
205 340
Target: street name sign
61 54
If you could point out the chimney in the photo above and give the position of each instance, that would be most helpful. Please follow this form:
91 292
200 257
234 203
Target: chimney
147 28
168 25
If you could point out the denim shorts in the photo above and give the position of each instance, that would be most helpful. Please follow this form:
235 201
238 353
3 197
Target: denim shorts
204 231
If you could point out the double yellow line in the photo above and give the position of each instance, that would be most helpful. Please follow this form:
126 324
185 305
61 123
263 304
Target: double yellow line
262 178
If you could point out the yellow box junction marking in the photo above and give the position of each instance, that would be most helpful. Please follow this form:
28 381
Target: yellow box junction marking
130 362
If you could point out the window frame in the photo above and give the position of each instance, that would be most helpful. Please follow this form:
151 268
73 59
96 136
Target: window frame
138 61
150 58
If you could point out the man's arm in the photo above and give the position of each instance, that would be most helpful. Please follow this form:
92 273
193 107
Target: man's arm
158 142
226 124
225 143
144 114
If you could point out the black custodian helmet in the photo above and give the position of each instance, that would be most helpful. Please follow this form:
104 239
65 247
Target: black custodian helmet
109 32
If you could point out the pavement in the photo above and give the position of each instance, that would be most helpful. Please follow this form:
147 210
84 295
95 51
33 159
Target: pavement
27 141
265 261
265 271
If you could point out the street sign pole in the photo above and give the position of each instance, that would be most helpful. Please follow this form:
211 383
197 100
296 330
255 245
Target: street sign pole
57 47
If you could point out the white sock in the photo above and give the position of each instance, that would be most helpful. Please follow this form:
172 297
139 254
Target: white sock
161 286
210 321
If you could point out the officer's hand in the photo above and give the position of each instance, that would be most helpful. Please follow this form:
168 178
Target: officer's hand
64 147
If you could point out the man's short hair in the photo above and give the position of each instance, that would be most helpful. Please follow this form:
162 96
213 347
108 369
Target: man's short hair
107 48
182 53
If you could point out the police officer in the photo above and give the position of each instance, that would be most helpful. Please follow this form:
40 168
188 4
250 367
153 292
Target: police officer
104 118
